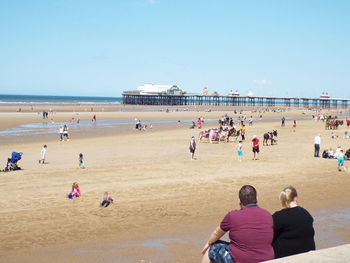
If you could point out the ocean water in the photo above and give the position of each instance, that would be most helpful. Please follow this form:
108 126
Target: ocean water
38 99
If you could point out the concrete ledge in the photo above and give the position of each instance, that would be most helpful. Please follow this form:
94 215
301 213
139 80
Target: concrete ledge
339 254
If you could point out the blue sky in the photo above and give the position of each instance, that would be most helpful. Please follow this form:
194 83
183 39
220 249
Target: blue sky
100 48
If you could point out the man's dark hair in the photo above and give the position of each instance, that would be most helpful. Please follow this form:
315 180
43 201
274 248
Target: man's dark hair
247 195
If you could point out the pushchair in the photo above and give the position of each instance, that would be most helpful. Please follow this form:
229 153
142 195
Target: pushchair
12 162
347 155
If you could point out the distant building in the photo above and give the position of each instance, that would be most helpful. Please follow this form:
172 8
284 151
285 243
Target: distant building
233 93
153 89
324 95
205 91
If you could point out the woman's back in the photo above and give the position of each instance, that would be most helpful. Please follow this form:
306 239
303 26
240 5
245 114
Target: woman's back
293 232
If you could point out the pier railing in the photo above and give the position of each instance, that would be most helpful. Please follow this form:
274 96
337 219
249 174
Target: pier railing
135 98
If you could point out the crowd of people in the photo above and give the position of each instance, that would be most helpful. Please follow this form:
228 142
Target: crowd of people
329 153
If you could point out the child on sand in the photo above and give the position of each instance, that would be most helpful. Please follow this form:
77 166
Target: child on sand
43 154
107 200
75 191
81 161
294 125
240 151
192 147
341 162
61 133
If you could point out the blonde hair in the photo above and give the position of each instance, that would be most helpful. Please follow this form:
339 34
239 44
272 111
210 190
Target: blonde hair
287 195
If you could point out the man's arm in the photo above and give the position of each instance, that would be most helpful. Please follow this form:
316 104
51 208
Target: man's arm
215 236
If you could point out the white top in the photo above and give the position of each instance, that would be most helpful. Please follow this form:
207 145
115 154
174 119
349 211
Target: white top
43 153
317 140
61 130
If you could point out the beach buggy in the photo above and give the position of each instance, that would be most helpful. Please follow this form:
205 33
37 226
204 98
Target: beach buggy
12 162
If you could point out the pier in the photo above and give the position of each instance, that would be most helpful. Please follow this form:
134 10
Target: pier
135 98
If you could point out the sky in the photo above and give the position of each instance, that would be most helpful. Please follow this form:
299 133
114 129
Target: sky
102 48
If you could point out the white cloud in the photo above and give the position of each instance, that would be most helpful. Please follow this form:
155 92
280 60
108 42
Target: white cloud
151 2
262 82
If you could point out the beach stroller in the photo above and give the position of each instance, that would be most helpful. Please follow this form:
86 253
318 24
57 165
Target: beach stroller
12 162
347 154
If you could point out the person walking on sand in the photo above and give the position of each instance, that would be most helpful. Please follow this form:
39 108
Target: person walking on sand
61 133
65 133
93 119
199 123
243 132
317 144
240 151
250 232
294 125
193 147
256 149
341 159
283 121
43 154
81 163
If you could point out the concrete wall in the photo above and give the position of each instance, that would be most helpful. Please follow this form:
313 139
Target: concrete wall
340 254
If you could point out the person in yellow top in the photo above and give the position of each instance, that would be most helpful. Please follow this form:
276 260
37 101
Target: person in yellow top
243 132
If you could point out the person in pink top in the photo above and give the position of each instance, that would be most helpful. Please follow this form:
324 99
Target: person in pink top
199 123
75 191
250 232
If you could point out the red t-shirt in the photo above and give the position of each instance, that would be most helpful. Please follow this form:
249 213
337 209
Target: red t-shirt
251 234
255 143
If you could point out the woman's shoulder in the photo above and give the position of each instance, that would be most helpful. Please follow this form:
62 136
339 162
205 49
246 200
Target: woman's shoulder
291 211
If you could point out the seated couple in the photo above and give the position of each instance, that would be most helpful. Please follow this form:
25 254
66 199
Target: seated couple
257 236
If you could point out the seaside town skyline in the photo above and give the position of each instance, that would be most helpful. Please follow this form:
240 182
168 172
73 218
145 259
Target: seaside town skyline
269 48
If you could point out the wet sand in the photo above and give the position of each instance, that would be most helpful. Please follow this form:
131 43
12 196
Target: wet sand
165 204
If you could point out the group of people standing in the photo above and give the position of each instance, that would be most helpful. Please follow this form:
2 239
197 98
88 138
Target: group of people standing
256 235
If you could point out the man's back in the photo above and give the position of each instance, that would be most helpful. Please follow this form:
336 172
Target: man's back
251 234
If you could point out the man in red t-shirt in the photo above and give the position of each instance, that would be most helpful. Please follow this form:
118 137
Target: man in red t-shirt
250 232
256 150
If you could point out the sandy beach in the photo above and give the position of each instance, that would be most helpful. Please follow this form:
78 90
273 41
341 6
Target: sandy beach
165 204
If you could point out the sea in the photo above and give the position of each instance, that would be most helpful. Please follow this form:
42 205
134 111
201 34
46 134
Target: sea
46 99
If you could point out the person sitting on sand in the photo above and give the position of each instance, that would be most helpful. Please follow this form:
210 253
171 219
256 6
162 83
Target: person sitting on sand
346 135
107 200
75 191
331 153
250 232
334 136
337 152
325 154
293 226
